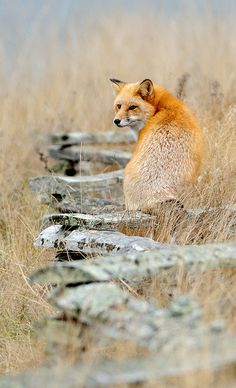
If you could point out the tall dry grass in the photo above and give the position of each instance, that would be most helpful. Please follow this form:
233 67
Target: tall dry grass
65 86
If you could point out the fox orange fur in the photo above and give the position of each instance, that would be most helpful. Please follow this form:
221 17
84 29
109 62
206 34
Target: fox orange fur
169 149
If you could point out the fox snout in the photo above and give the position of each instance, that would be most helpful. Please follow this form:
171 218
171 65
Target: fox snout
121 122
117 122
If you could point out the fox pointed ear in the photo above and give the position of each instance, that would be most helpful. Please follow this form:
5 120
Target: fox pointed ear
146 89
117 85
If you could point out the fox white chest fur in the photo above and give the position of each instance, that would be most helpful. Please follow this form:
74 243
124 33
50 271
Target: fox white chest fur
168 152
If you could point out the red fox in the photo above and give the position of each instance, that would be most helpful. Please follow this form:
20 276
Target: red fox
169 149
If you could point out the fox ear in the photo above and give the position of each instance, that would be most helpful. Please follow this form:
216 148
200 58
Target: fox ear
146 89
117 85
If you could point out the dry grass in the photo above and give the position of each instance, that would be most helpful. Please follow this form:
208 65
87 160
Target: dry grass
73 92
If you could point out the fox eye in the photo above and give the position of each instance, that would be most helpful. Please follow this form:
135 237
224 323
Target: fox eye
118 106
132 107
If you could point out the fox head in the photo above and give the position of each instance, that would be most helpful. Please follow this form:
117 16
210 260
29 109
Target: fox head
134 103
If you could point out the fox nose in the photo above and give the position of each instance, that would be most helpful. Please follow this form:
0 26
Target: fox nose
117 122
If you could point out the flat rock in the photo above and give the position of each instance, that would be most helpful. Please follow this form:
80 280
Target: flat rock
62 185
139 265
76 138
94 242
77 154
112 221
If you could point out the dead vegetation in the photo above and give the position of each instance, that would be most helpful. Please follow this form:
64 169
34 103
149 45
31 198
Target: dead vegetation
74 93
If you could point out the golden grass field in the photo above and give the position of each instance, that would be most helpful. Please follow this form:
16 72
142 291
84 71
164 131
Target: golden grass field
73 92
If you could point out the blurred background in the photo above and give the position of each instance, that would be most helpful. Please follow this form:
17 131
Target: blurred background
24 24
113 38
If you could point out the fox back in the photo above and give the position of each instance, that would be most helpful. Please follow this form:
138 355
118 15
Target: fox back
169 149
